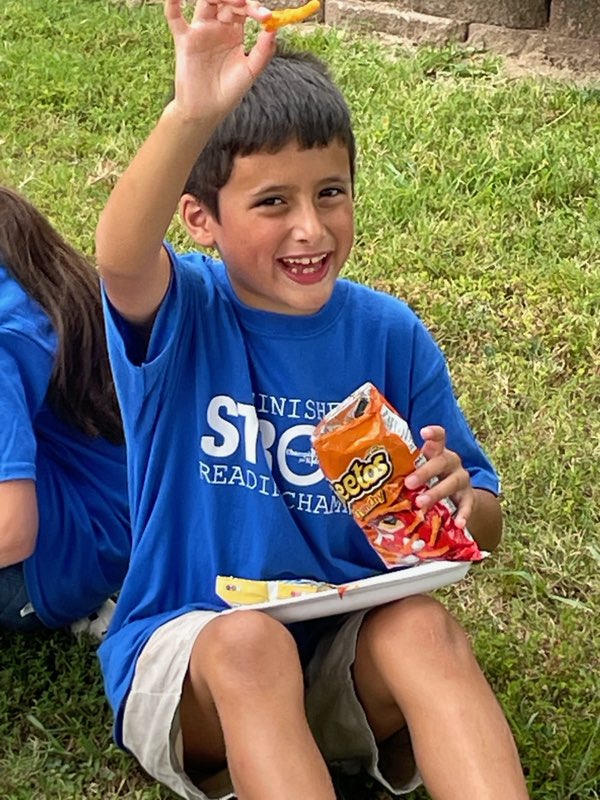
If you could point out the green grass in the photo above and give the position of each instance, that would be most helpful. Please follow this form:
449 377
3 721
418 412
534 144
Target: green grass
478 200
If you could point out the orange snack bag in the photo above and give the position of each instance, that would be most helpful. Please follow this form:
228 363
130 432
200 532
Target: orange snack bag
286 16
365 449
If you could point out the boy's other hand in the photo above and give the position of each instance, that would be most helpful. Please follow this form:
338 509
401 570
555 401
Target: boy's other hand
212 70
446 466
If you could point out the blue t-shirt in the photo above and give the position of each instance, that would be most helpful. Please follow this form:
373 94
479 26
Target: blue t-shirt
84 537
218 417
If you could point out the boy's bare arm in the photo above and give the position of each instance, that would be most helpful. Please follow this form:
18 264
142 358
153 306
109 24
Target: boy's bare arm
129 252
485 522
212 74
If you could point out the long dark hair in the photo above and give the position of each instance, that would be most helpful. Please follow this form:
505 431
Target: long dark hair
67 287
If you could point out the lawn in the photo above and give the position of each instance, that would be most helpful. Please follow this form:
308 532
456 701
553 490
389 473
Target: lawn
478 201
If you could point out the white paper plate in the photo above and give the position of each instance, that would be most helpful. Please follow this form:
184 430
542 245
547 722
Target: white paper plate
365 593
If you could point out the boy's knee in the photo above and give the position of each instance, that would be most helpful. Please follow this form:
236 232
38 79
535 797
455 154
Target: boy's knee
246 646
418 627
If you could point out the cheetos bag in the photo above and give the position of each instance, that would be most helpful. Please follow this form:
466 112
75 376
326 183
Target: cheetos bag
366 449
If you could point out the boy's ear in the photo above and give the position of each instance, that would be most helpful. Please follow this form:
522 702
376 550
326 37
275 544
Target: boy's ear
198 220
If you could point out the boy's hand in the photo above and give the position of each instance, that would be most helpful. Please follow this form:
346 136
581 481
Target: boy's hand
212 71
453 479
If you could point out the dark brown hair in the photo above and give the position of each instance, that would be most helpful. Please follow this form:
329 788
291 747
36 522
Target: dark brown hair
67 287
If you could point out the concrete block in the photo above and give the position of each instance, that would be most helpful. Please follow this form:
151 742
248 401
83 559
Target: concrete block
511 13
387 18
575 18
581 55
537 47
505 41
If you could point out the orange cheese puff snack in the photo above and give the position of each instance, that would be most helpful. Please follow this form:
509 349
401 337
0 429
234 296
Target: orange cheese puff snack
366 450
286 16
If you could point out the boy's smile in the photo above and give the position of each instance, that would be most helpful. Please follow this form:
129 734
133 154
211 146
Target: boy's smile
286 226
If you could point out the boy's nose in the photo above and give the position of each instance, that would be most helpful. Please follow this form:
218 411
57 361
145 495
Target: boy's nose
308 226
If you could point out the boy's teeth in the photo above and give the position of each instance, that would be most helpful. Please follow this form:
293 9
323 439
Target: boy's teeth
304 270
305 265
305 260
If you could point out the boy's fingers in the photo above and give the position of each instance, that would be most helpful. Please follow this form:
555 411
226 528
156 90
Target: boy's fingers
241 10
433 433
432 449
421 475
175 18
223 10
230 15
261 53
214 9
226 11
239 13
434 441
206 9
257 12
464 508
438 465
453 485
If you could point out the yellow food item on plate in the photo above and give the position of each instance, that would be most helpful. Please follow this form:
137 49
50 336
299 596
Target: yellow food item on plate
246 592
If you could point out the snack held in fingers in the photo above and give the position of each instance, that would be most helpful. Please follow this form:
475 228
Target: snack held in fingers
287 16
366 450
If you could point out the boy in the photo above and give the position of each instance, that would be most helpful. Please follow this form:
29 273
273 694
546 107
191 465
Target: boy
222 372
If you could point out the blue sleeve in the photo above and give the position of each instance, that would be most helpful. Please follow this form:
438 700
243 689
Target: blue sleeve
25 370
133 346
139 361
433 402
188 290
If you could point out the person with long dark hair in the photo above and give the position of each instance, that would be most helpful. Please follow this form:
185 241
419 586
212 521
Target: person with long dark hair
64 522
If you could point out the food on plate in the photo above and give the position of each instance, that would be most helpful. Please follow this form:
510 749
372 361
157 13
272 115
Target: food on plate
243 591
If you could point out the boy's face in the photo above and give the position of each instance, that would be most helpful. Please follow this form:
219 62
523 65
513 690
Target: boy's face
286 226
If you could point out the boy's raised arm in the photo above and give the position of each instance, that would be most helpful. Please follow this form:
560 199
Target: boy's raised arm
212 74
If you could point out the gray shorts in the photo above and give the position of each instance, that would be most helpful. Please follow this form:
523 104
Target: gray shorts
152 731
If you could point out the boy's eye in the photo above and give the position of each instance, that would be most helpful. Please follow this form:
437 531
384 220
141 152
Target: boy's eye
270 201
332 191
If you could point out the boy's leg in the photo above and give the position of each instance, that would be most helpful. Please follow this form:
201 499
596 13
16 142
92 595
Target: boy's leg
244 696
414 664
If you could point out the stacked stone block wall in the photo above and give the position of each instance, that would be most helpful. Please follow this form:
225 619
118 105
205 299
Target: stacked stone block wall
562 33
